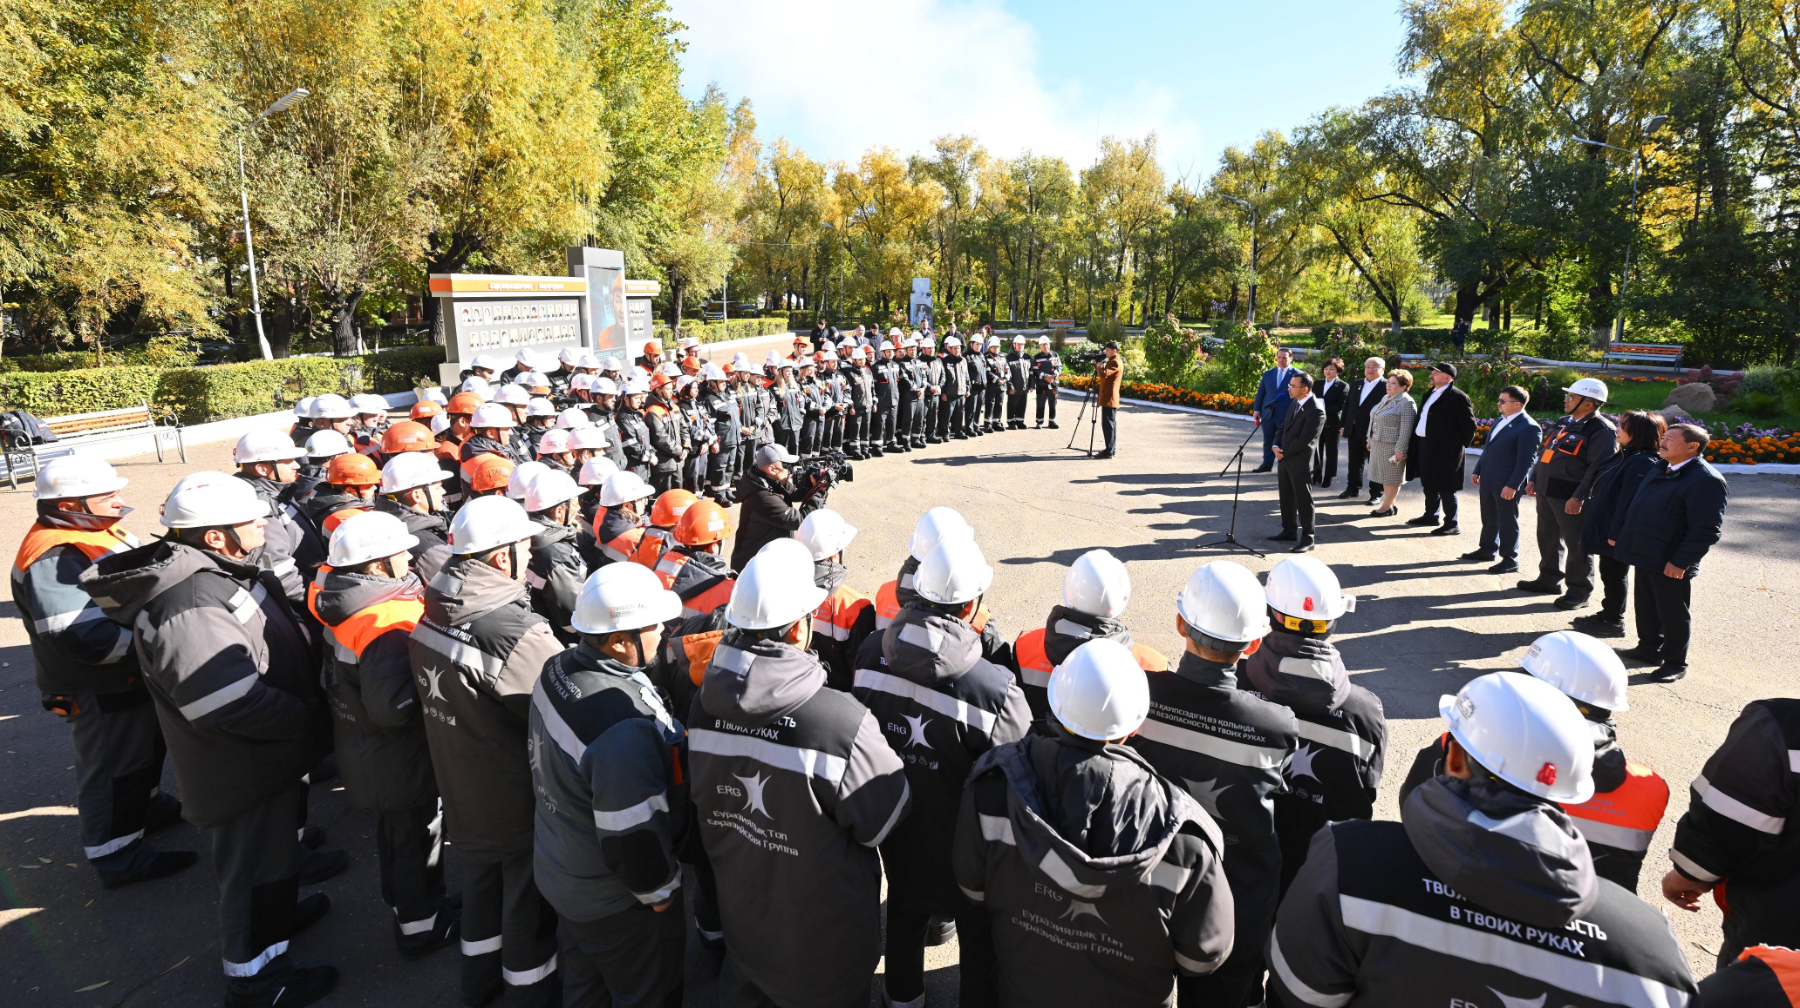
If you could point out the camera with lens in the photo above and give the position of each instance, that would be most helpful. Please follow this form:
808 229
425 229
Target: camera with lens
825 471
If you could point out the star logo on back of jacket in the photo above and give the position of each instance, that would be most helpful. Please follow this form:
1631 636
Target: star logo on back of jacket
1077 908
915 731
753 793
1302 766
1207 793
432 690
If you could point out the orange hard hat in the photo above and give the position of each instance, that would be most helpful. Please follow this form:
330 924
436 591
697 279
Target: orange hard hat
407 436
463 402
352 469
425 409
669 508
704 522
492 472
652 347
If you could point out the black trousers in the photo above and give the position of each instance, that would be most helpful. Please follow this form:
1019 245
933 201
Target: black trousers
693 472
721 467
1292 479
1015 409
1499 523
665 477
1615 588
971 412
834 431
409 843
632 959
1441 499
883 424
912 412
1663 620
1325 463
995 399
856 428
949 416
1046 400
1761 913
118 762
809 434
1560 556
904 966
508 935
1357 461
1109 428
257 860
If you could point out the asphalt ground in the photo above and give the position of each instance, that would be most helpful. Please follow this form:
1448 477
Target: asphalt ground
1424 624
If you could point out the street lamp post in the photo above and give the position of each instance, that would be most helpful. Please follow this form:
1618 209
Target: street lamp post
846 242
1637 165
281 104
1250 312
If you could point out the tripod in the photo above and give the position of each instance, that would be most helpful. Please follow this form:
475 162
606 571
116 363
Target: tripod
1093 417
1229 539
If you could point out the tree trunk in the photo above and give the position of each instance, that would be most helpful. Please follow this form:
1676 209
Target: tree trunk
1468 300
343 322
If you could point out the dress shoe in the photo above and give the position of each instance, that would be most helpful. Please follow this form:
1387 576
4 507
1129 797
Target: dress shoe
1325 484
1540 587
1641 654
1599 625
1667 673
1263 469
1285 537
1448 528
1505 567
1104 454
305 985
308 911
160 865
1424 519
1477 555
1389 513
1572 602
321 865
1053 425
1350 492
1303 546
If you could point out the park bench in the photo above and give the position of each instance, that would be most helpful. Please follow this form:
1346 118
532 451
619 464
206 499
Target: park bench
1656 353
81 429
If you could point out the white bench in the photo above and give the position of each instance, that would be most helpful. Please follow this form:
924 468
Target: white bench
1656 353
78 429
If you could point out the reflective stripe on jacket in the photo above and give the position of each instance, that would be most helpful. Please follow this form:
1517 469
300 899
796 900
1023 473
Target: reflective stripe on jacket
74 647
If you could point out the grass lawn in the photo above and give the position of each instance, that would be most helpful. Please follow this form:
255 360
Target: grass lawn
1650 396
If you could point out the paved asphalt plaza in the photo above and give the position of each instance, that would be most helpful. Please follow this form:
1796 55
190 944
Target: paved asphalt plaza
1425 623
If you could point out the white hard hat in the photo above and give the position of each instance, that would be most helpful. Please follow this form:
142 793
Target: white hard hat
606 386
326 443
1099 692
205 501
588 360
772 360
826 346
993 341
574 417
954 572
439 423
1593 388
596 471
371 535
532 379
332 406
74 476
611 364
436 395
568 355
953 340
512 395
933 525
549 488
825 533
554 442
712 372
478 386
1306 589
672 369
492 415
623 486
623 596
740 360
775 589
304 407
895 331
1224 601
1097 584
887 345
588 436
1043 340
638 385
859 354
266 445
582 382
368 402
525 357
487 362
1580 667
1526 733
1017 339
490 522
521 477
410 469
540 407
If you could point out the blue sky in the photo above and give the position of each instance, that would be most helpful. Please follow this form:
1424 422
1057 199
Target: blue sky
1050 76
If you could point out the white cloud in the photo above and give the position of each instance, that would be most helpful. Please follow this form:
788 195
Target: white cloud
828 75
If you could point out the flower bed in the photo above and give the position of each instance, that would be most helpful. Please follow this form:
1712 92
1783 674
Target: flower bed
1747 445
1173 395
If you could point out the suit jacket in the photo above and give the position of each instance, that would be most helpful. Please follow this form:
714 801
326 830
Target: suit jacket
1300 434
1334 399
1506 459
1271 395
1356 411
1437 458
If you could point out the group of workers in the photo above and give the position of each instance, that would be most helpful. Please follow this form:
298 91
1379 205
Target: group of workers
550 662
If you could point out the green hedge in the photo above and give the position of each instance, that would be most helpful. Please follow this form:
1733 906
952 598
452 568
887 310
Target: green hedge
201 394
718 332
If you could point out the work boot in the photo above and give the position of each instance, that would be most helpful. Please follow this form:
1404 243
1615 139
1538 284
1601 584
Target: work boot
305 985
164 811
312 837
1600 624
308 911
1540 587
446 929
1572 602
159 865
878 452
1053 425
323 864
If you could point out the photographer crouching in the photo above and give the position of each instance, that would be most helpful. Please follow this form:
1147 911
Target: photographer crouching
1108 372
773 503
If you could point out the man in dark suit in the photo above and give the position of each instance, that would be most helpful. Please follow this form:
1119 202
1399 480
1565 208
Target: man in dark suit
1359 401
1299 445
1332 392
1500 475
1270 407
1445 430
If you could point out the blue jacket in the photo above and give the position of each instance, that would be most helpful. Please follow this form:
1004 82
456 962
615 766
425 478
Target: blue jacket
1271 395
1506 459
1674 519
1615 485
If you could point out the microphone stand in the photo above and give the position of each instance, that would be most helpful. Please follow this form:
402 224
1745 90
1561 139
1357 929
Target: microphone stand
1229 539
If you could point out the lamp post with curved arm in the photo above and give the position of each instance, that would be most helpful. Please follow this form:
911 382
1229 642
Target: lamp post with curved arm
281 104
1637 165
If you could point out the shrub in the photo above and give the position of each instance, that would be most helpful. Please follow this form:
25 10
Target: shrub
82 390
718 332
1760 404
402 370
1762 379
1171 353
1245 356
201 394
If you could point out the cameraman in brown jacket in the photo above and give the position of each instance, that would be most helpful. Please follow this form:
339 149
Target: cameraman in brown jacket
1109 374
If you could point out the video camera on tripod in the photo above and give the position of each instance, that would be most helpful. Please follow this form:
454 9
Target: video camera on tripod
824 472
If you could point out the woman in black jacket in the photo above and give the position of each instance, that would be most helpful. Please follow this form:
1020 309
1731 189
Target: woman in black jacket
1605 507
